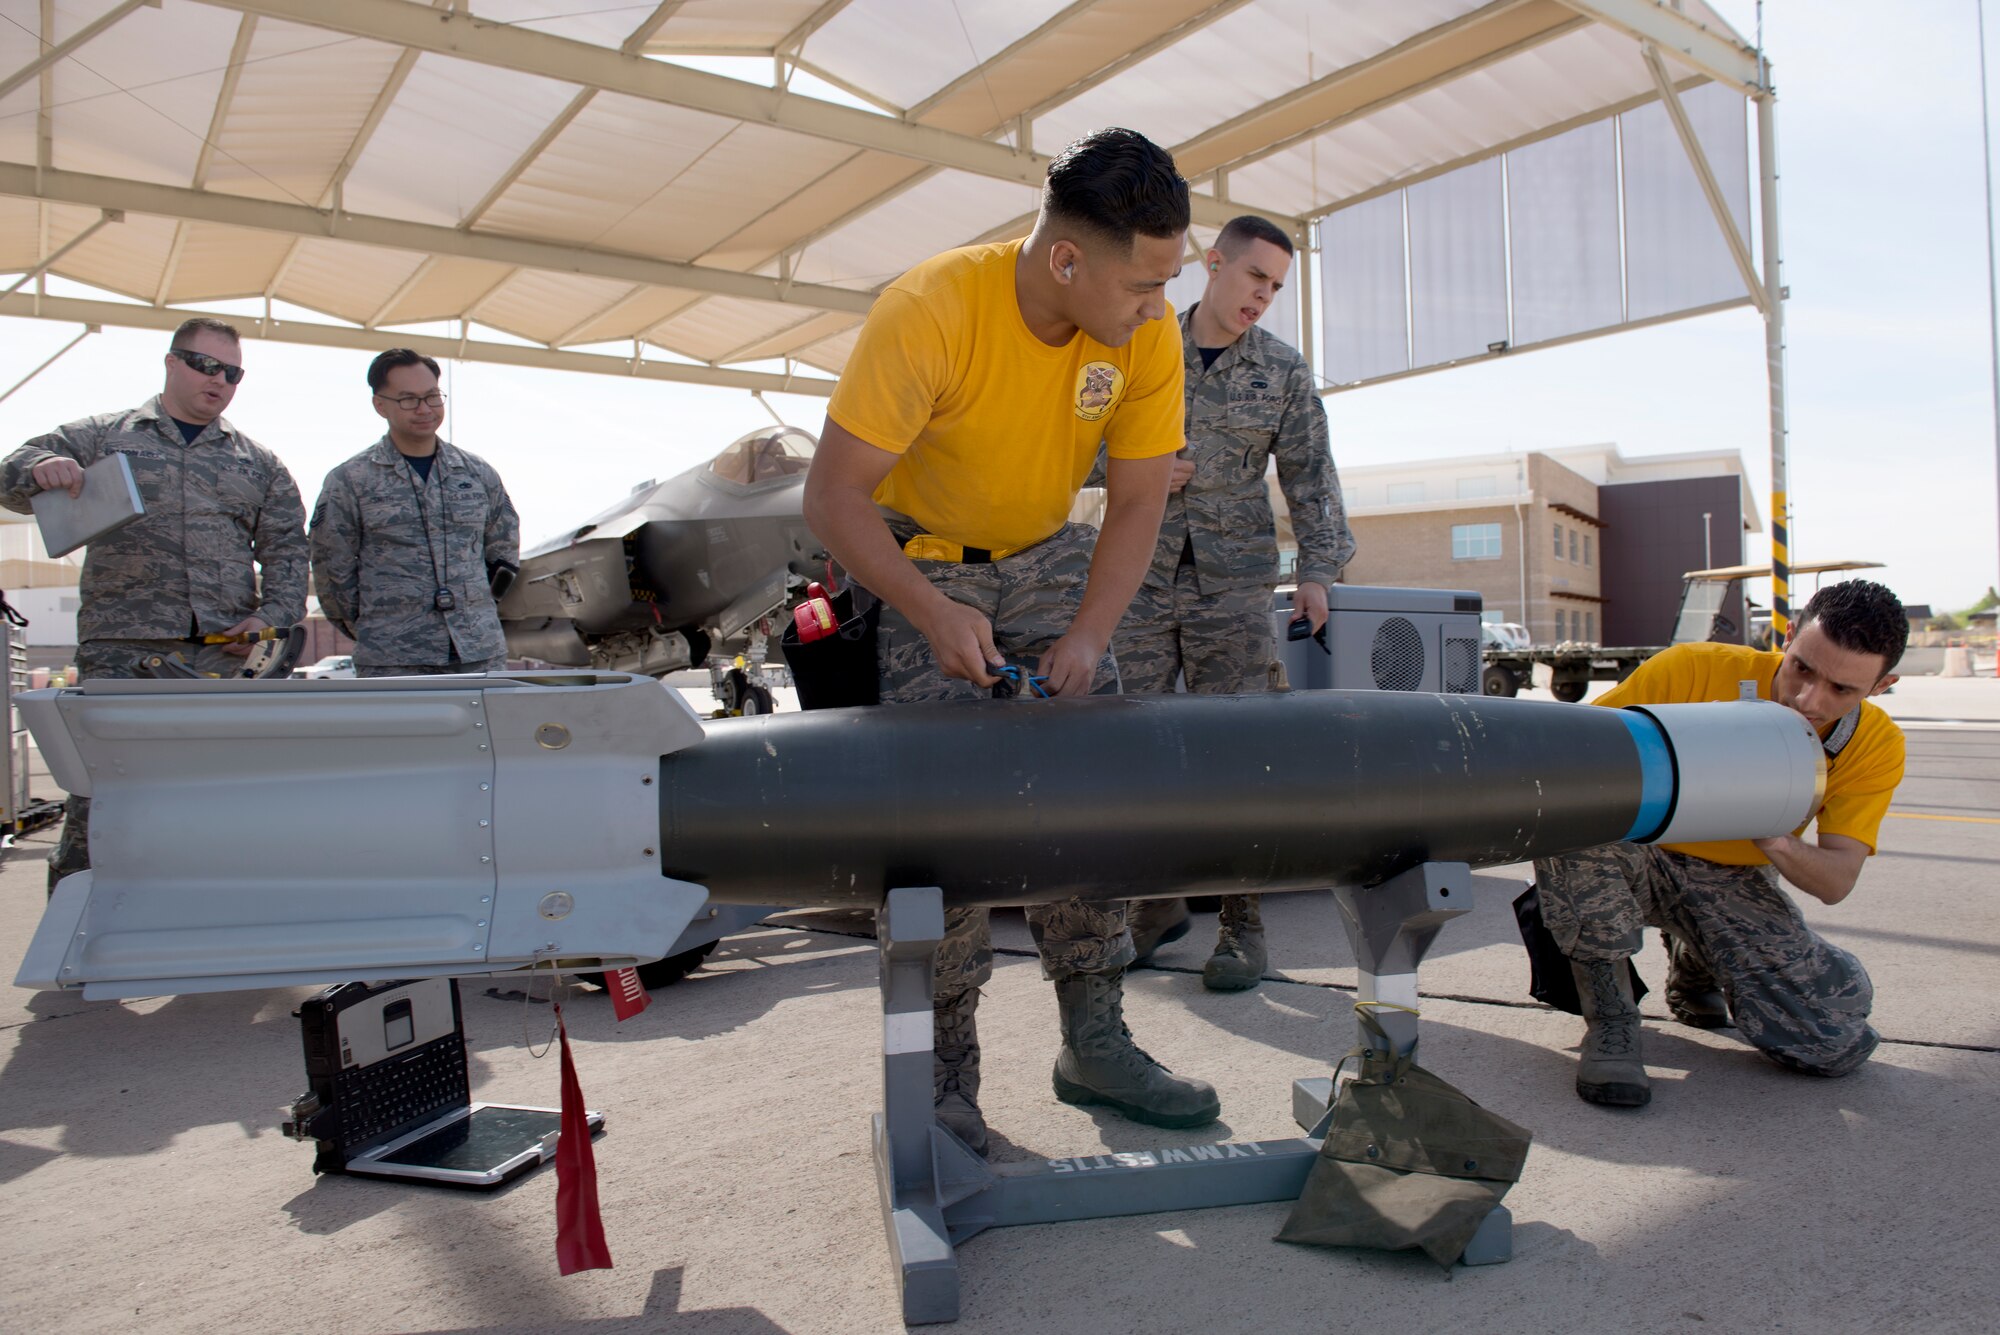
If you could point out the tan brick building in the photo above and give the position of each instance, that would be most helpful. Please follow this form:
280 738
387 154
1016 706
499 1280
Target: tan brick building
1532 533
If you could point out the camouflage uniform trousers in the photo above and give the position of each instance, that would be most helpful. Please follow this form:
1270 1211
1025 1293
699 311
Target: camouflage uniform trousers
97 659
430 670
1031 598
1800 1001
1221 640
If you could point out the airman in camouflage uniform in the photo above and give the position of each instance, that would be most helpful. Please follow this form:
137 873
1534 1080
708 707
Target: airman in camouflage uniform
408 525
219 507
1739 951
1031 597
1204 611
1794 996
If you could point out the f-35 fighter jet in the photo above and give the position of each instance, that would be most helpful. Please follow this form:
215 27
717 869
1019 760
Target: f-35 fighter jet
678 574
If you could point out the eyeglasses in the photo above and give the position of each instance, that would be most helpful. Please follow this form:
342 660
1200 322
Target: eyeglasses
409 403
203 364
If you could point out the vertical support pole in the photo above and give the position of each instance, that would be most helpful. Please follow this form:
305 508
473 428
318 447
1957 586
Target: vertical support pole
908 928
1992 295
45 135
1774 365
1302 283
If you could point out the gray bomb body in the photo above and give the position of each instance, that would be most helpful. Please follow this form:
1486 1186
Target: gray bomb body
465 825
1022 801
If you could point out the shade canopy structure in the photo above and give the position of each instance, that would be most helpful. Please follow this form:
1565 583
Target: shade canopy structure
726 182
712 191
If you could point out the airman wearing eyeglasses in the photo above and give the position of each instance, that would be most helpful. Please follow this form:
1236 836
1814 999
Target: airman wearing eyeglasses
219 508
413 538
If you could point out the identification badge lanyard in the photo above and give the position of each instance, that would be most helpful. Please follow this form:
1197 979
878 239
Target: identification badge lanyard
442 597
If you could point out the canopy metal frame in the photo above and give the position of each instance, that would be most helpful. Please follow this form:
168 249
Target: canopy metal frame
978 125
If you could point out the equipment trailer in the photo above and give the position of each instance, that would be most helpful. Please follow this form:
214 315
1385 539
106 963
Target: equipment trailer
1568 669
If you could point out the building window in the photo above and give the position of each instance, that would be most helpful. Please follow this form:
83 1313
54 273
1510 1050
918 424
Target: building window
1572 544
1406 493
1472 488
1559 542
1590 628
1475 542
1586 549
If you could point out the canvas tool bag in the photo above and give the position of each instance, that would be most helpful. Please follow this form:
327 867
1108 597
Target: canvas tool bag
1408 1161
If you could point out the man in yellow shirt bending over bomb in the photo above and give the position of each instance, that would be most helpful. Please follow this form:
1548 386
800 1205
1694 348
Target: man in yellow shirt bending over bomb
969 414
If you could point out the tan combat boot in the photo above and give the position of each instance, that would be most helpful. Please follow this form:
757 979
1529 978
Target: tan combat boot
1099 1063
1240 958
1692 994
1610 1069
955 1068
1154 922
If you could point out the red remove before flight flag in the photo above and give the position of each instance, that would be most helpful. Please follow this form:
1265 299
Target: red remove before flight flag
580 1241
628 994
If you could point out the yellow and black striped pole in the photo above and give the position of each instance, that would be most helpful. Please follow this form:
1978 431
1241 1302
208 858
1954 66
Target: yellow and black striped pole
1781 558
1774 357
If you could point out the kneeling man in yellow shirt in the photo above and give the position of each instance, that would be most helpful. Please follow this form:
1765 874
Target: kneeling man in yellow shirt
1739 950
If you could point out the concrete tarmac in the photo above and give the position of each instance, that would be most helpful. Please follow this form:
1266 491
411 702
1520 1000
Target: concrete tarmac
147 1186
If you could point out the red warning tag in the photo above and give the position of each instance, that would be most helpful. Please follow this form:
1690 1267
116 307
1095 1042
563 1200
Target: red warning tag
628 994
580 1241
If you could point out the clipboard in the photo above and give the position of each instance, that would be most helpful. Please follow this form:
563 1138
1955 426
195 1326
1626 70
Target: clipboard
109 502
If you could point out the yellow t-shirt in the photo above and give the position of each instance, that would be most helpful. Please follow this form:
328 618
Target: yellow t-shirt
997 430
1859 781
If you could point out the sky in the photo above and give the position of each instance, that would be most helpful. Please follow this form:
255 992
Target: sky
1889 362
1892 446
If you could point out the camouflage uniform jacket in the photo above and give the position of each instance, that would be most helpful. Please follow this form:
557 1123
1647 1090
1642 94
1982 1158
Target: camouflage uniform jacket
378 560
217 507
1256 401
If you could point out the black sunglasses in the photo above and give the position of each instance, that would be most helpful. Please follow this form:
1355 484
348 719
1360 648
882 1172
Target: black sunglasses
203 364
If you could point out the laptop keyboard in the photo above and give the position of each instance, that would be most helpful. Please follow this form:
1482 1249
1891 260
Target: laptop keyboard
378 1102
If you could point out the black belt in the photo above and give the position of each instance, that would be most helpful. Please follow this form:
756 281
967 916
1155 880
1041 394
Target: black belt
930 547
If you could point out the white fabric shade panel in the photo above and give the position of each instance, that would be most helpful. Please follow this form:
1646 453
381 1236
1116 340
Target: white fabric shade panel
901 131
1606 225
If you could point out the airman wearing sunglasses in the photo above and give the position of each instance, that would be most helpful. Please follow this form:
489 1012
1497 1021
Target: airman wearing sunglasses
219 508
